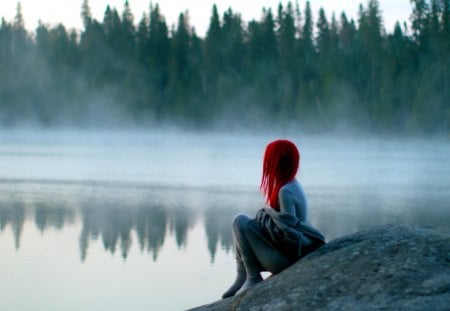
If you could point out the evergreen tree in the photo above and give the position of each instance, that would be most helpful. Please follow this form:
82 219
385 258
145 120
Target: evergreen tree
159 47
86 15
94 53
369 51
213 46
254 43
288 58
142 42
308 105
445 18
20 38
288 68
394 80
268 38
128 33
419 22
323 38
334 35
233 74
326 73
286 34
269 85
201 111
307 32
159 51
213 56
179 73
233 43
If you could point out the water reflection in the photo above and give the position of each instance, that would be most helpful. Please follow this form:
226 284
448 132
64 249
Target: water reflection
118 222
181 222
13 214
151 226
112 225
46 216
218 229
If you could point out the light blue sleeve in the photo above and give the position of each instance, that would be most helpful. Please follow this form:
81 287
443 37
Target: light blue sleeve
287 203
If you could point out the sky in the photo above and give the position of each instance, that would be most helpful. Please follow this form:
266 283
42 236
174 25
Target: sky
67 12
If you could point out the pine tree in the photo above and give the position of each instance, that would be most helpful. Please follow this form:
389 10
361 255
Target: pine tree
86 15
286 34
253 44
142 42
323 33
19 24
268 37
307 31
157 59
234 51
419 22
159 48
179 73
20 39
446 18
213 46
288 59
128 32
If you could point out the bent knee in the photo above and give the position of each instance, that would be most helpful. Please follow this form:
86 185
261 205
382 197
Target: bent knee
240 221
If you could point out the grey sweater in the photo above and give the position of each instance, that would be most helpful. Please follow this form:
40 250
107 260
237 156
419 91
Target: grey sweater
293 200
290 224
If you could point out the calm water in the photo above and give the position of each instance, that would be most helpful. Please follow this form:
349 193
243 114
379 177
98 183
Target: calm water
134 220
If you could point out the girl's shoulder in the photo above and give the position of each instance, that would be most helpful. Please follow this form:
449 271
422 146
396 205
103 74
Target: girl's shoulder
293 184
292 188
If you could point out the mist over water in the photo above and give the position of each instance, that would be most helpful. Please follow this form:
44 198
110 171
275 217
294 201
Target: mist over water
131 213
137 219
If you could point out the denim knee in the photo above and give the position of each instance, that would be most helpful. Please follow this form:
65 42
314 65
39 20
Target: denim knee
240 221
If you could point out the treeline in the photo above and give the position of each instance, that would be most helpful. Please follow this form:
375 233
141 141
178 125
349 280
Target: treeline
285 69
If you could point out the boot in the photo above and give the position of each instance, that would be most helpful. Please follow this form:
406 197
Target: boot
253 278
240 280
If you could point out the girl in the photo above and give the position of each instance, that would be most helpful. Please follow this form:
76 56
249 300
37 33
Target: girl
280 233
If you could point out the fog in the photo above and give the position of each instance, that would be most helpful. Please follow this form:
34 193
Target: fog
351 182
290 68
149 206
126 148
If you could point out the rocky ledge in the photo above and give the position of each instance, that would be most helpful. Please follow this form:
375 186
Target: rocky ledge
384 267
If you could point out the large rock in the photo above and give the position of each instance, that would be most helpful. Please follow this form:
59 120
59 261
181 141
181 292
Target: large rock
384 267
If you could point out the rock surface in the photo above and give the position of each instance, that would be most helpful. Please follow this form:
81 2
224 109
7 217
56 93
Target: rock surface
381 268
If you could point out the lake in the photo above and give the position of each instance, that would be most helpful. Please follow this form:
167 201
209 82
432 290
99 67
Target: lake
137 220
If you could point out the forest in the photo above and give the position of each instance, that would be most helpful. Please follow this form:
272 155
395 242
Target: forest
291 68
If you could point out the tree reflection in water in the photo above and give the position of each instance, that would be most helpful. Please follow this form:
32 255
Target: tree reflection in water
46 216
111 224
151 225
115 225
218 229
115 222
182 220
13 214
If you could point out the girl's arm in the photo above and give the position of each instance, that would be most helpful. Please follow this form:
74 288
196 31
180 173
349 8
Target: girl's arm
286 199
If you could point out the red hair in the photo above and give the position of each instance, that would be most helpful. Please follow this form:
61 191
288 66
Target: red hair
280 165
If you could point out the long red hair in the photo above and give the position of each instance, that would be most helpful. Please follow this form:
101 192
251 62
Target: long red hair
280 165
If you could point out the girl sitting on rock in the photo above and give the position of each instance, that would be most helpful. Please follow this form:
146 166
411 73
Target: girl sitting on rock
280 233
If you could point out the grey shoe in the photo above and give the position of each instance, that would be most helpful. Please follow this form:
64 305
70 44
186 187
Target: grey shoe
240 280
251 281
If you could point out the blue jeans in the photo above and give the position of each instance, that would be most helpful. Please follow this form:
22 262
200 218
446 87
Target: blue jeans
253 249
